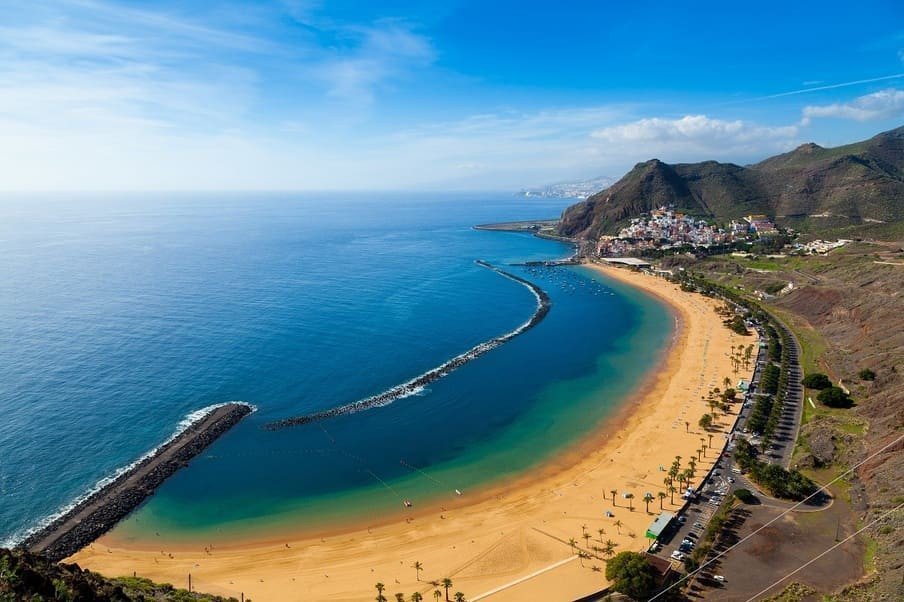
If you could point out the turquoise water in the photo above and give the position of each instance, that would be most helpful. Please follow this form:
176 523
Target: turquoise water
119 315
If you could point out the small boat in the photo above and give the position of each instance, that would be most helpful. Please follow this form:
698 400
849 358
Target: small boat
457 492
408 504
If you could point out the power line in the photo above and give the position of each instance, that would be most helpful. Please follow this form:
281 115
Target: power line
815 558
730 548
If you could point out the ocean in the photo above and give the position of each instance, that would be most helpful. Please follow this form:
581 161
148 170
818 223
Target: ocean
122 314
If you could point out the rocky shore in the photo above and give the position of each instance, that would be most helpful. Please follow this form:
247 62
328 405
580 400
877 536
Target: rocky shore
416 384
99 512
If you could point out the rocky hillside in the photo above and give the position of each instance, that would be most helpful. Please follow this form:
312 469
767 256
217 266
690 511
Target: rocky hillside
25 576
858 183
848 308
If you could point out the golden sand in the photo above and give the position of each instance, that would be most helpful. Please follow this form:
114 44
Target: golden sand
512 545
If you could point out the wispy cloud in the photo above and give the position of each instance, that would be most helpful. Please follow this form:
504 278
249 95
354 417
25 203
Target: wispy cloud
884 104
378 54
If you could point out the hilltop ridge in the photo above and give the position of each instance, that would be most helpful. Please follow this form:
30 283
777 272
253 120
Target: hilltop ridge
847 185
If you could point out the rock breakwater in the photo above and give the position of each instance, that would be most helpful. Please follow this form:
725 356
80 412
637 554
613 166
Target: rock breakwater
99 512
418 383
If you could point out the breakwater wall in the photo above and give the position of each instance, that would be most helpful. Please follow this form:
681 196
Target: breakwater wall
98 512
417 384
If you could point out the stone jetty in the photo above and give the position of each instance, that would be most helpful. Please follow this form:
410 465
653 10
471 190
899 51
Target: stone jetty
100 511
417 384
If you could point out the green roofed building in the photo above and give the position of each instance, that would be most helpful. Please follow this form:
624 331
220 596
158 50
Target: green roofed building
662 521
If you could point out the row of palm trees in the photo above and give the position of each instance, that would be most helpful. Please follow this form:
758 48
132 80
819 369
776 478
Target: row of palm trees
446 584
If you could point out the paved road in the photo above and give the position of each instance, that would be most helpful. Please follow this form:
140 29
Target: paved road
723 481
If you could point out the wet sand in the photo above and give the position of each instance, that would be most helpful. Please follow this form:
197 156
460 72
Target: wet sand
511 541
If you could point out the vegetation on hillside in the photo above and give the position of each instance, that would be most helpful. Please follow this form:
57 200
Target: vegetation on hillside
26 576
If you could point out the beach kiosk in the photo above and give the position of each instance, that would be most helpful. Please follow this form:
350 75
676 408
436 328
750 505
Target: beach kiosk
662 521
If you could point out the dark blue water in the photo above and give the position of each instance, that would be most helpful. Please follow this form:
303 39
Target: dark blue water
119 315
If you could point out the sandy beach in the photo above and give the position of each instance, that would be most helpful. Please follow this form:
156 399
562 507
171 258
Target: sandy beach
513 543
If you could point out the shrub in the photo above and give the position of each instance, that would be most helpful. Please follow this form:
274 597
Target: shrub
817 381
835 397
745 496
706 421
632 575
867 374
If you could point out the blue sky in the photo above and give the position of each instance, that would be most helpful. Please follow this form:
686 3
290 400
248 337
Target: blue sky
299 94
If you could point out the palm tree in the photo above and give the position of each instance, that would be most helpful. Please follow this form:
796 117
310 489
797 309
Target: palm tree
586 539
688 475
618 525
710 439
447 583
418 567
380 587
573 543
437 595
687 427
459 597
647 498
726 381
600 532
692 466
662 496
672 491
609 548
416 597
630 497
581 555
613 492
699 451
400 597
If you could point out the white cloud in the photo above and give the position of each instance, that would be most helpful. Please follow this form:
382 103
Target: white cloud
884 104
695 137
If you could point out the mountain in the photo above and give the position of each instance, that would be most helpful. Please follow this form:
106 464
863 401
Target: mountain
570 190
810 186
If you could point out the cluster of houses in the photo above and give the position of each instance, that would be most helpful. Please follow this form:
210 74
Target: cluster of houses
665 228
821 247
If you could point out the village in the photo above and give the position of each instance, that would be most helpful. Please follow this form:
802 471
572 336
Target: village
664 229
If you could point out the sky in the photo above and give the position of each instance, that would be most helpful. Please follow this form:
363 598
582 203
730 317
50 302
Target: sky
428 95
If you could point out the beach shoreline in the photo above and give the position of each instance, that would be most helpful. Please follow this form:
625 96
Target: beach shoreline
511 529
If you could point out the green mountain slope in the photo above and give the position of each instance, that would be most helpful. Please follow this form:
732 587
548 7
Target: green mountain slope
848 185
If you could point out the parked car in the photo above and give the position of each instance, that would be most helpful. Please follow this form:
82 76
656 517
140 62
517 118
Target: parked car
677 555
719 578
698 525
682 519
